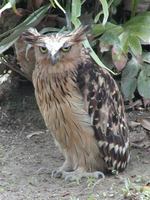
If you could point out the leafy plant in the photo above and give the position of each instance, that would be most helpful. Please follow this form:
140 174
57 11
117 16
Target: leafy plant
121 42
124 41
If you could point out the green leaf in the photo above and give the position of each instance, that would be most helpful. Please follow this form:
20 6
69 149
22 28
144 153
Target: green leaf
109 38
128 78
135 45
132 68
76 12
128 88
59 6
142 32
143 18
98 29
97 17
119 57
124 42
144 81
31 21
105 11
139 26
7 45
134 5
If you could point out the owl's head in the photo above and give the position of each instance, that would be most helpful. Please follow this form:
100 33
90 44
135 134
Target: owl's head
60 51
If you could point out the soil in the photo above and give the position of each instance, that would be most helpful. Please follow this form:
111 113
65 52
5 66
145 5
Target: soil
28 155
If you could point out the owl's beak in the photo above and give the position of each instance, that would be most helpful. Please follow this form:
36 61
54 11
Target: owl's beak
54 58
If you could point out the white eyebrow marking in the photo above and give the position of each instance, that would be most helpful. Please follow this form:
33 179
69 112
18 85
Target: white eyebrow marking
53 43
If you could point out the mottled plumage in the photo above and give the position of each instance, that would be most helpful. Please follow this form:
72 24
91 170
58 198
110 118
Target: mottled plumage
81 105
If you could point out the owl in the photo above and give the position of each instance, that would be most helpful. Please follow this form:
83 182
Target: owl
81 105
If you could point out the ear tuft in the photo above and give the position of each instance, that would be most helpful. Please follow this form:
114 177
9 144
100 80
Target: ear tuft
79 34
30 36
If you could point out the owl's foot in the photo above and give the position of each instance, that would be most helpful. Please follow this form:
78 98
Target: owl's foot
77 175
57 173
66 167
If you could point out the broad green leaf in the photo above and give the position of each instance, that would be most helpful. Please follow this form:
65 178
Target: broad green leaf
143 34
110 38
146 69
144 81
143 18
141 31
119 57
128 78
31 21
128 87
132 68
135 46
105 11
115 29
98 29
107 40
124 42
139 26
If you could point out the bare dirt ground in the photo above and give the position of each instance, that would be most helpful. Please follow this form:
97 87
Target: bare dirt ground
28 156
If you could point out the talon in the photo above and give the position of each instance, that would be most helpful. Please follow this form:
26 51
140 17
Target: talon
69 178
57 174
99 175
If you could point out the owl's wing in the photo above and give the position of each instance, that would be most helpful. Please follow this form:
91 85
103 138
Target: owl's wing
105 107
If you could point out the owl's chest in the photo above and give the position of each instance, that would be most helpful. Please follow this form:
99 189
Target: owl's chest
63 112
60 102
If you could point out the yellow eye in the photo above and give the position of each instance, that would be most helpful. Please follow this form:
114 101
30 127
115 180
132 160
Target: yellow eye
66 49
43 49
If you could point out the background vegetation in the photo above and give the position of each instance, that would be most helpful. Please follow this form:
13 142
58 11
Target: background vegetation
119 37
